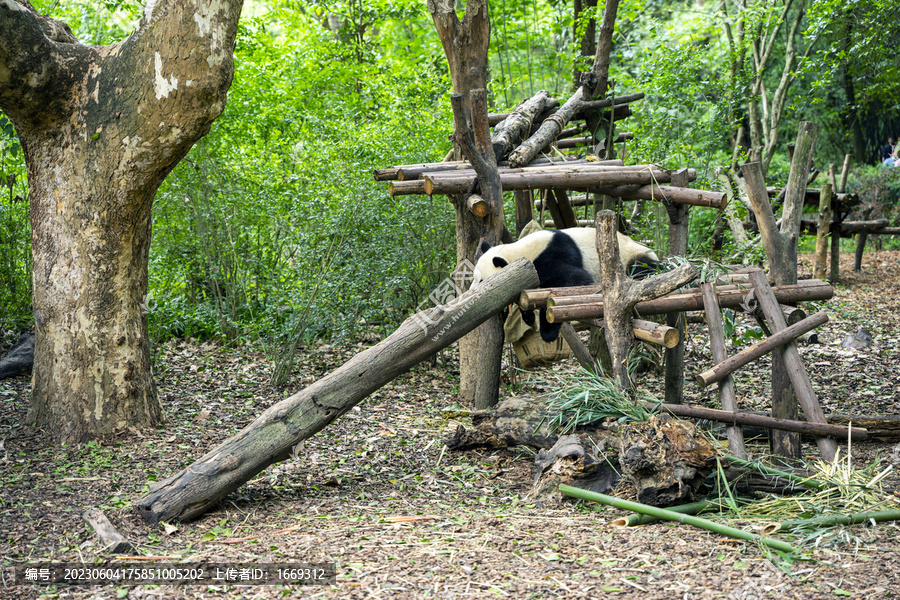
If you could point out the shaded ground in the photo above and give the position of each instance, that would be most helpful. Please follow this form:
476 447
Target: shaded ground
477 536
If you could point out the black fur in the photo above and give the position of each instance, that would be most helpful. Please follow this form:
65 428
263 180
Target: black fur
644 268
559 265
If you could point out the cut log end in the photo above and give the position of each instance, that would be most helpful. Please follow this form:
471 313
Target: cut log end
112 541
476 205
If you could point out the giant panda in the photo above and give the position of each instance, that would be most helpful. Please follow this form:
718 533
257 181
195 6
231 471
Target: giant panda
563 258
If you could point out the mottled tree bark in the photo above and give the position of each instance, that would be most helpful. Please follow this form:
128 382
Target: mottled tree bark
101 127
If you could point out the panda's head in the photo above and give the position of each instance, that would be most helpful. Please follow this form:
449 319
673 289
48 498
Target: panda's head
488 260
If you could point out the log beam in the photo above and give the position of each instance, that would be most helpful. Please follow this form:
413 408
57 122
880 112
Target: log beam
729 365
786 294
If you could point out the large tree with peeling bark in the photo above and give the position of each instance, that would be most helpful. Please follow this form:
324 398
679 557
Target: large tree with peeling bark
101 127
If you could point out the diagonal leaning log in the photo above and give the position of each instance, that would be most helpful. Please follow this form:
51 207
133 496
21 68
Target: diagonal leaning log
273 435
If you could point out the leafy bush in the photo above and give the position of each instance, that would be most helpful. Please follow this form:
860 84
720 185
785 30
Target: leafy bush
879 192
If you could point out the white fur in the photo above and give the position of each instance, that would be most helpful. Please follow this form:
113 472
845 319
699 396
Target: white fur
585 238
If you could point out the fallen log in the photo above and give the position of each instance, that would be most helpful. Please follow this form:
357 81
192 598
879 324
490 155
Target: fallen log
110 539
682 302
776 340
886 231
274 435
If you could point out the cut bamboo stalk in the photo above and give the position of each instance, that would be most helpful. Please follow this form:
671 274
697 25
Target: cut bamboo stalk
727 398
794 364
877 516
729 365
669 515
685 509
673 303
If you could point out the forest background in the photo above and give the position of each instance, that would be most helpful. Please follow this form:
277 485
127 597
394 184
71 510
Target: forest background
273 230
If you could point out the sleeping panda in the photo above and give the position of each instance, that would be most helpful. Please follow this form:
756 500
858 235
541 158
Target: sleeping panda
563 258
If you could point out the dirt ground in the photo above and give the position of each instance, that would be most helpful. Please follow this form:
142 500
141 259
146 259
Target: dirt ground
475 534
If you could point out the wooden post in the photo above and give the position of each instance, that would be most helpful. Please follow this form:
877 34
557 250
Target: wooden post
621 293
835 272
678 246
781 250
860 248
822 232
524 210
794 367
726 389
274 435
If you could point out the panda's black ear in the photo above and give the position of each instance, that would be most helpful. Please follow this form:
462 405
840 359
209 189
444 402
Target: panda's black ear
500 262
482 248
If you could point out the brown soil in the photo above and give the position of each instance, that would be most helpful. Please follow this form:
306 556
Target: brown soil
477 536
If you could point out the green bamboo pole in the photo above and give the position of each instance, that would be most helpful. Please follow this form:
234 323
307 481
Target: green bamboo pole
668 515
683 509
854 519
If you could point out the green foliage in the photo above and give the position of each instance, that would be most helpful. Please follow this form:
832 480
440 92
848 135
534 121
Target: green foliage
879 192
273 223
589 398
15 232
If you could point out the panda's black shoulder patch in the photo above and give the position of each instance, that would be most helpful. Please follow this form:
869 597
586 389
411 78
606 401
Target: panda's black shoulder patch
561 263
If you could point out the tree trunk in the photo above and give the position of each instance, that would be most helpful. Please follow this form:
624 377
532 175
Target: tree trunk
101 127
465 45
